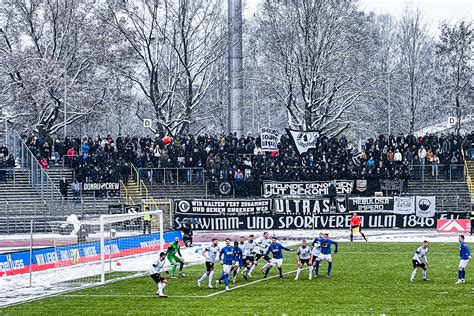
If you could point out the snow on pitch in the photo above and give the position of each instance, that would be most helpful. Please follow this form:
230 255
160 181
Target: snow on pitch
15 290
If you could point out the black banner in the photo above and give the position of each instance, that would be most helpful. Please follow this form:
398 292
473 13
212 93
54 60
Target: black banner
321 221
308 206
371 204
225 188
107 186
310 189
391 185
227 207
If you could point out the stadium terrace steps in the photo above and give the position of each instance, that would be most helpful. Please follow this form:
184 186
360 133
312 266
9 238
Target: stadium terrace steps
90 206
19 204
179 191
160 191
450 196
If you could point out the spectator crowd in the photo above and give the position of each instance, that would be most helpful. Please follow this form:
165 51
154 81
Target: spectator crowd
241 160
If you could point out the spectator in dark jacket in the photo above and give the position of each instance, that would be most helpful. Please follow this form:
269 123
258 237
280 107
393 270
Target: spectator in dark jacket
332 194
63 186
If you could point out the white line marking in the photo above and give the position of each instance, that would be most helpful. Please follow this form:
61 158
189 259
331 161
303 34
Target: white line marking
250 283
182 296
131 295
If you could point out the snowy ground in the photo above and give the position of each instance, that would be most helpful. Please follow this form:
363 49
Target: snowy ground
15 289
414 235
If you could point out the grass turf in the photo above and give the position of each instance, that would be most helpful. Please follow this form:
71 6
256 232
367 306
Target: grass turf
367 278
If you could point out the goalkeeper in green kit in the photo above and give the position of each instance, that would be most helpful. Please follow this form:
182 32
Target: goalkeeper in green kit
174 256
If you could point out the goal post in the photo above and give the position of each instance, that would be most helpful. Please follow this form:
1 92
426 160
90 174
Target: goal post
120 230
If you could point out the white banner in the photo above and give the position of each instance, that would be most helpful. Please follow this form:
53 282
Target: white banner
270 138
425 206
404 205
304 140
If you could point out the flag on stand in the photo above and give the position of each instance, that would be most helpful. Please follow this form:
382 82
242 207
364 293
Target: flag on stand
303 140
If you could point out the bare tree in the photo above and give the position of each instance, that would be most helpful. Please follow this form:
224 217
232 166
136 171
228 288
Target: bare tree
416 52
51 50
308 48
454 56
174 47
381 60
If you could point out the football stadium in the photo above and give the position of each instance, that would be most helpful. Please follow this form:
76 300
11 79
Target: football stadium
260 157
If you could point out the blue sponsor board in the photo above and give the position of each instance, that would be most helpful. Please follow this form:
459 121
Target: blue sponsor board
46 258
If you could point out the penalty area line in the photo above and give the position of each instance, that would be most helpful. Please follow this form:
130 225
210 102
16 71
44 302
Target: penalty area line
250 283
183 296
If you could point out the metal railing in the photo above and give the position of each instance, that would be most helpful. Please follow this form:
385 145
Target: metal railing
128 198
437 172
38 177
467 174
177 176
141 185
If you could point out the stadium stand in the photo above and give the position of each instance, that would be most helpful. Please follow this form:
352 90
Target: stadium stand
193 160
200 163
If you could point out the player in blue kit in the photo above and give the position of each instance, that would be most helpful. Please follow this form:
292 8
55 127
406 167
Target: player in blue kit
465 256
326 254
315 253
226 257
237 260
277 260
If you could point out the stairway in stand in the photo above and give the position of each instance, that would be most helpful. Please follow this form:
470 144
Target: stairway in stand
140 194
132 195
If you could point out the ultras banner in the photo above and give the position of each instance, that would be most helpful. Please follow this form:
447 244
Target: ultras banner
108 186
371 204
308 206
321 221
310 189
221 207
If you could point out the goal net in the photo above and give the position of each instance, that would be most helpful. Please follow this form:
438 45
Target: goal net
112 247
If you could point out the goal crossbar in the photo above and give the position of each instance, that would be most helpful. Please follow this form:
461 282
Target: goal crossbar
113 218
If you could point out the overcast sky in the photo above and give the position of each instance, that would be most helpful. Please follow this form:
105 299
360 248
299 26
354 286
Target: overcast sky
434 11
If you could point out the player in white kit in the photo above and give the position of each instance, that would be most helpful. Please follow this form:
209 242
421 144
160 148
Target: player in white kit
249 247
304 257
157 268
420 261
263 243
212 251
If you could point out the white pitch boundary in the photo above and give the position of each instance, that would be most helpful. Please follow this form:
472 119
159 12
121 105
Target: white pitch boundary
184 296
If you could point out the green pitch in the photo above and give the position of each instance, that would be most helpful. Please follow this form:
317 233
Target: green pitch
367 278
